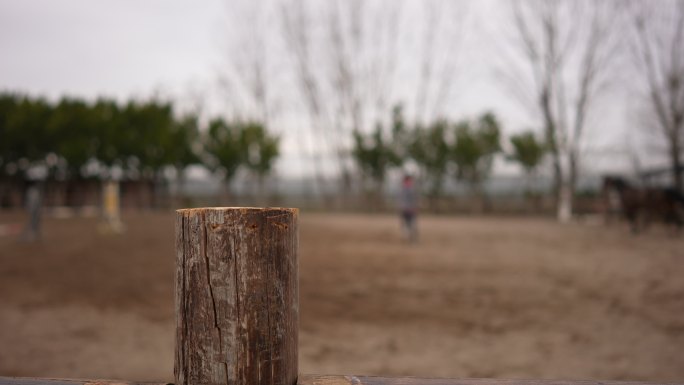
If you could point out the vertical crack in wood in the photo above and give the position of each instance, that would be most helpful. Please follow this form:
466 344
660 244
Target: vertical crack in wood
184 317
269 281
238 322
211 292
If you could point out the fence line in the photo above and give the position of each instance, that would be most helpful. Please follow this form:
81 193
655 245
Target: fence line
341 380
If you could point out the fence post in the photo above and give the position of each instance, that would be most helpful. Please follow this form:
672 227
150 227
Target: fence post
236 296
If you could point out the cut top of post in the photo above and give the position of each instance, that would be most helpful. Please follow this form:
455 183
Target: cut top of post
242 210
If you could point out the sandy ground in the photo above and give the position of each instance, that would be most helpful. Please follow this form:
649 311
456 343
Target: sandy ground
476 297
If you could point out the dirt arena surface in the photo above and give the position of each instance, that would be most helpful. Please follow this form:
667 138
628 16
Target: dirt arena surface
476 297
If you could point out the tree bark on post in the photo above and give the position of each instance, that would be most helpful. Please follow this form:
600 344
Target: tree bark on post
236 296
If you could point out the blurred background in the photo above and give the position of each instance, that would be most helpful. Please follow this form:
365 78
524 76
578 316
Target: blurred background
537 236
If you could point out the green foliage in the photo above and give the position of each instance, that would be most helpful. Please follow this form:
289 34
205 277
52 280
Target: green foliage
141 137
475 145
467 147
184 134
376 153
260 148
8 149
111 123
431 151
233 145
400 137
147 141
72 125
223 144
373 154
527 151
26 140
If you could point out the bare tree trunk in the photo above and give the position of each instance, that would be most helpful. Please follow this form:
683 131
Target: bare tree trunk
345 84
566 202
551 138
552 36
574 176
298 36
431 26
659 61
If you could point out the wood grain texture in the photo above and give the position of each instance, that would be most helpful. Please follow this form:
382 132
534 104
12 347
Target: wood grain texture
236 296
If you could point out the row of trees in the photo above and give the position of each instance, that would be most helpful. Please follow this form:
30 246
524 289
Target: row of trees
464 149
73 139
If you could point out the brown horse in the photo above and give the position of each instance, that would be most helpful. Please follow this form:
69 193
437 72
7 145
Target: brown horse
640 206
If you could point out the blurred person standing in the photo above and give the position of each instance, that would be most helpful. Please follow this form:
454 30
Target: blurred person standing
408 204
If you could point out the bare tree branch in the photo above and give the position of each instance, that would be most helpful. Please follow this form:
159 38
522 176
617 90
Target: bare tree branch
658 57
568 61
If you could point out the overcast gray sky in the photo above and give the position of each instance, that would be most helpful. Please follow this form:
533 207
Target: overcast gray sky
177 48
106 47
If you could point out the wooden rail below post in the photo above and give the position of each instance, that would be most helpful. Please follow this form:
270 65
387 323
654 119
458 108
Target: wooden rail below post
373 380
65 381
341 380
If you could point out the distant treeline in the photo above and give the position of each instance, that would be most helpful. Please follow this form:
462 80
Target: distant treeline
463 150
137 140
73 139
72 144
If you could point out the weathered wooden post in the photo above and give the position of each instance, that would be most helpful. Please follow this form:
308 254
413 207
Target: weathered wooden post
236 296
